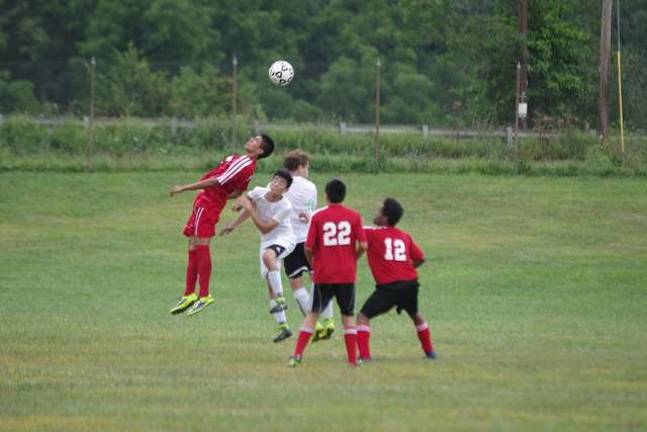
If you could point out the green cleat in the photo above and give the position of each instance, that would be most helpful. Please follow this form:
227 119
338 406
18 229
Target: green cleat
280 305
284 333
319 334
200 305
329 325
184 303
295 361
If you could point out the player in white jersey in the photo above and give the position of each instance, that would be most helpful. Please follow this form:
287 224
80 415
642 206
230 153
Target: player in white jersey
270 211
303 197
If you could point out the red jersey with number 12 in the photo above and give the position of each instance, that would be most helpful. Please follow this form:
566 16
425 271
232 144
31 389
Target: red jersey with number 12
233 173
391 253
332 236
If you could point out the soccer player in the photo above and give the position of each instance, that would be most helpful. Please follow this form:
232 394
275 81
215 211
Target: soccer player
303 197
270 212
335 241
393 257
228 180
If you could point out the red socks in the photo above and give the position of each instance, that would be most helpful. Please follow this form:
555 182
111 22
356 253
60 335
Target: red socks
424 335
363 337
191 272
350 337
203 255
304 337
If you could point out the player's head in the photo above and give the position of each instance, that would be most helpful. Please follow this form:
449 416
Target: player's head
297 162
281 181
389 214
260 146
335 191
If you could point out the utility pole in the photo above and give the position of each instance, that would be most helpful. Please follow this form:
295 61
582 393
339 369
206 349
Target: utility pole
622 126
234 96
605 54
93 73
522 29
377 111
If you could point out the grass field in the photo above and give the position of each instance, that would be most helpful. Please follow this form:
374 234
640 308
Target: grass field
535 288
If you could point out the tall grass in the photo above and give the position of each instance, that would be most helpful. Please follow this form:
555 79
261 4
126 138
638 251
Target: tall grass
132 144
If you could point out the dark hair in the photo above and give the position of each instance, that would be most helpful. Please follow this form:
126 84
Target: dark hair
294 159
392 210
335 191
285 175
268 146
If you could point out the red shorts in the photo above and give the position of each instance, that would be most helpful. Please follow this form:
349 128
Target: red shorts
202 222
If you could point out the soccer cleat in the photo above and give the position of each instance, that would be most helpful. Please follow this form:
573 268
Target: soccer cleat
319 334
284 333
280 305
431 355
184 303
358 363
295 361
200 305
329 324
365 359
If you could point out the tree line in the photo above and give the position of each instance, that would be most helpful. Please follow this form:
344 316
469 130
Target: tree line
442 62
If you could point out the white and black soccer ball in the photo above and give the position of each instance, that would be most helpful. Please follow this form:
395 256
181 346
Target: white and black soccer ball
281 73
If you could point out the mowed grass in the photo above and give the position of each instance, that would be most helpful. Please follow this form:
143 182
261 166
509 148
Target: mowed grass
535 288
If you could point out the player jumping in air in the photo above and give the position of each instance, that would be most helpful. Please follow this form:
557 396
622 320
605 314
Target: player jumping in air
303 197
393 257
228 180
270 212
335 241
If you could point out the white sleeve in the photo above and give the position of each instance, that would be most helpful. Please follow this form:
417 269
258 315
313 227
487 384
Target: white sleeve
256 193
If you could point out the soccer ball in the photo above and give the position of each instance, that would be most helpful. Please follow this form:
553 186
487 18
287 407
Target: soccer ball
281 73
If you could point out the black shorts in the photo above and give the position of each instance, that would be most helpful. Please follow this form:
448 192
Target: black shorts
296 263
401 294
345 294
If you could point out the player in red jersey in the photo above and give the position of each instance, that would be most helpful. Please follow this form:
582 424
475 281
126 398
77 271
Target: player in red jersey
334 242
393 257
228 180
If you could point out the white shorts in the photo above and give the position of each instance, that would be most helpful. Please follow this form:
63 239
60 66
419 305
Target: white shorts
287 247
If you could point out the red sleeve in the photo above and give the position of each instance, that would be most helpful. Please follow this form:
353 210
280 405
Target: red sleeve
416 253
311 239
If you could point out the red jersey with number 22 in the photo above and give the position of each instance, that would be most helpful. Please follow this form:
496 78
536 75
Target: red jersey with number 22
391 253
332 236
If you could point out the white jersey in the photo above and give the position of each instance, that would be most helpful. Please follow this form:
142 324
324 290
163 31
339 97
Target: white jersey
279 211
303 197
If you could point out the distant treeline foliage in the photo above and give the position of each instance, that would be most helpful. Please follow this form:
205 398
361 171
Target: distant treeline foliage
443 62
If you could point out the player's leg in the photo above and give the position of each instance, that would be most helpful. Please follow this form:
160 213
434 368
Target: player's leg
377 304
201 246
270 268
408 300
345 294
190 297
320 298
296 265
424 335
272 274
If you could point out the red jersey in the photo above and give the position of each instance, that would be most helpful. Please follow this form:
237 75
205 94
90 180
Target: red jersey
232 173
332 236
391 253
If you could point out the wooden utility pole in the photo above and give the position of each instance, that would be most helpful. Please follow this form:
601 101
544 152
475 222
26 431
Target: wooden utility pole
234 97
522 29
377 111
605 55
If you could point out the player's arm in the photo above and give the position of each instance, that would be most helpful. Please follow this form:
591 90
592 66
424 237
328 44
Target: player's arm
362 241
417 255
232 226
248 206
211 181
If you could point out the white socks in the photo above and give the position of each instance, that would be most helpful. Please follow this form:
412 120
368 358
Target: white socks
303 300
274 279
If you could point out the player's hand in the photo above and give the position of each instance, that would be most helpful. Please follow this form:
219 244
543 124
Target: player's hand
226 230
235 194
175 190
304 217
236 207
